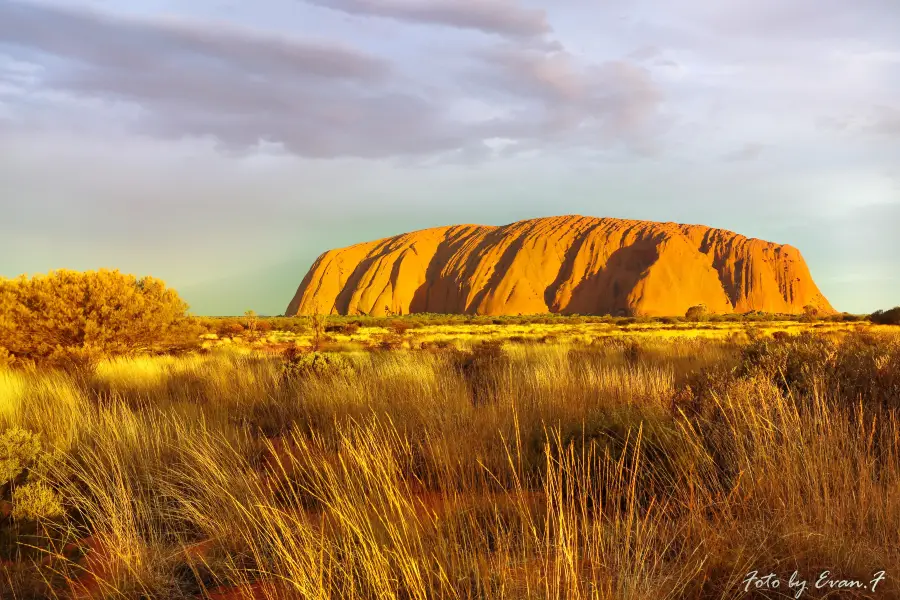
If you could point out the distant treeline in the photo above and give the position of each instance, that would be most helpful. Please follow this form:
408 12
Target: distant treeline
301 324
70 318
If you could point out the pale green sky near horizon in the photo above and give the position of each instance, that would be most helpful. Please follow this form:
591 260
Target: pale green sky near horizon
222 146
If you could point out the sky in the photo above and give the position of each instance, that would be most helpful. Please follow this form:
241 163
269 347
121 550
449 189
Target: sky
222 146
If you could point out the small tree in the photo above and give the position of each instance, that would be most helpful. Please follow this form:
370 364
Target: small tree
810 313
70 318
317 327
697 313
252 323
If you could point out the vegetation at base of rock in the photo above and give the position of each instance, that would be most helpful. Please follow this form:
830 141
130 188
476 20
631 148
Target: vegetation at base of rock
886 317
225 326
697 313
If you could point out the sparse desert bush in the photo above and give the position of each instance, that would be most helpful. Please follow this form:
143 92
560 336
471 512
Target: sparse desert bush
436 345
229 328
289 324
697 313
846 318
634 352
344 328
758 317
36 501
479 367
320 364
251 320
810 313
400 327
791 361
317 324
860 365
19 449
71 318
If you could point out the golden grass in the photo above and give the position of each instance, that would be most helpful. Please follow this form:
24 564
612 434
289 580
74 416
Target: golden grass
570 469
466 335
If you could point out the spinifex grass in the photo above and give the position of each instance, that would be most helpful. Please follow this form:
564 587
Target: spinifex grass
529 471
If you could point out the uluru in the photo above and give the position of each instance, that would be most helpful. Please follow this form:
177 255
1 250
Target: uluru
567 264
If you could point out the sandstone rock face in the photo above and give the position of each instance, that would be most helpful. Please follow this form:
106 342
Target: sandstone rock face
572 264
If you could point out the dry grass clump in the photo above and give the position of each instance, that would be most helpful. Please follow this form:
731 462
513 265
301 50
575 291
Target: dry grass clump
318 364
618 468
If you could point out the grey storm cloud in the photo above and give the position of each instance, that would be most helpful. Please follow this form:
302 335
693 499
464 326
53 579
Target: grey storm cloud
316 99
501 17
321 100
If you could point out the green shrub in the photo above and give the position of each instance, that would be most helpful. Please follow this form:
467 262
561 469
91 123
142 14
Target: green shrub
792 362
697 313
757 317
479 369
810 313
400 327
860 365
435 346
230 328
886 317
19 448
68 316
36 501
847 318
633 352
319 364
390 341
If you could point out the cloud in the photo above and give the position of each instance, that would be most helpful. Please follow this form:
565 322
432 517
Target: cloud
105 41
240 86
645 53
175 78
749 151
885 122
878 121
553 95
795 20
500 17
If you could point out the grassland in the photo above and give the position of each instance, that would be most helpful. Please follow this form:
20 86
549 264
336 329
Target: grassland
464 331
460 460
